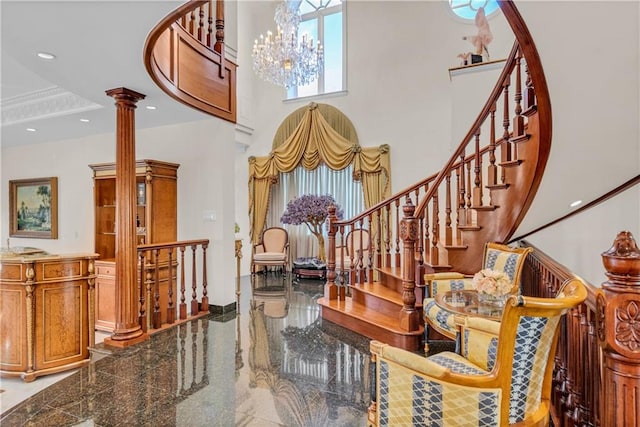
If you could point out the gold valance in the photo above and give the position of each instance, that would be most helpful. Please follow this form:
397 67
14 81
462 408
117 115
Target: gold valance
312 141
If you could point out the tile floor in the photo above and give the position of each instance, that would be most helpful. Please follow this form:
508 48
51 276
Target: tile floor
275 363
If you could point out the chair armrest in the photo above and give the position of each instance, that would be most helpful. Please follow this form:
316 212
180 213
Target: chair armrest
407 359
443 276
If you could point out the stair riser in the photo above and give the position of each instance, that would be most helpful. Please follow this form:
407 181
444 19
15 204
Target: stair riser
375 303
408 342
391 282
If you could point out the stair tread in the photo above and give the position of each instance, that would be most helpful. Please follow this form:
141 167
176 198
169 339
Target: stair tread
391 271
360 311
383 292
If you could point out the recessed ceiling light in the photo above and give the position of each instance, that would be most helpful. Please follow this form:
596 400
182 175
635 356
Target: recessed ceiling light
576 203
30 130
84 120
46 55
151 107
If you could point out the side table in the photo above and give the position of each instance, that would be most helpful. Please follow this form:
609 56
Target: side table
309 268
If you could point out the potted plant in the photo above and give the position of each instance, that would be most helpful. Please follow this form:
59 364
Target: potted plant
311 210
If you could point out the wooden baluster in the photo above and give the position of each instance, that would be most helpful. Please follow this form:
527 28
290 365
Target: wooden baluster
387 238
219 46
492 172
435 235
518 119
183 304
427 230
157 314
200 36
171 309
149 285
183 21
342 253
209 42
194 295
192 20
378 240
462 211
142 312
459 209
204 304
448 230
505 149
477 170
397 257
419 243
530 93
469 192
369 271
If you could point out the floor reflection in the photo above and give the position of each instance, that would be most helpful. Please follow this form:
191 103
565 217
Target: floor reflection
275 363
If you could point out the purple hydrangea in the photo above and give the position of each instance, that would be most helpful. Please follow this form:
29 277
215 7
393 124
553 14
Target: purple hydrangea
309 209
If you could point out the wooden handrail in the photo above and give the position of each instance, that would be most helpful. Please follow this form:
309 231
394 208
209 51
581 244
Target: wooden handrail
599 200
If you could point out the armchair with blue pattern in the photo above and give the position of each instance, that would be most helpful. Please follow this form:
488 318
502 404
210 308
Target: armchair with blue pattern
496 257
487 384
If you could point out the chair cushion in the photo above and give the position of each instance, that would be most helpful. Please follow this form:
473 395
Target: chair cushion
269 256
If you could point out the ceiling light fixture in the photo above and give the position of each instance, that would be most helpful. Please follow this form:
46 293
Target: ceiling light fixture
84 120
46 55
150 107
30 129
283 59
576 203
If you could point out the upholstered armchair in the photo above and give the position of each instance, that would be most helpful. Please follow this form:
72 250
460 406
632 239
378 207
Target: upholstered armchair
488 384
496 257
354 254
271 250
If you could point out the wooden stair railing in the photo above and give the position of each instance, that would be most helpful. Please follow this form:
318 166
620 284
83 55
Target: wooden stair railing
597 363
481 194
168 278
186 59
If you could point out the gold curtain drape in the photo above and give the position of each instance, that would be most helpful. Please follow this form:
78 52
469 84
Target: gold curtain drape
312 141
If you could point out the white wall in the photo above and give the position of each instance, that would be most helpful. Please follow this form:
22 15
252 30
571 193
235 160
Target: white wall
399 92
205 182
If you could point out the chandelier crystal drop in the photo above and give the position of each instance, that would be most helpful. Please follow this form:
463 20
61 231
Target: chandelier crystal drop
282 59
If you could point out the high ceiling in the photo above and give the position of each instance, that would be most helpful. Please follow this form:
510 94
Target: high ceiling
98 46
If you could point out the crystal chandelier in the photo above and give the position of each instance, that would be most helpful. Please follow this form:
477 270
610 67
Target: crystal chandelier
283 59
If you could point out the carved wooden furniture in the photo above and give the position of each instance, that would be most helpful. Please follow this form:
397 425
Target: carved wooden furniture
46 313
496 257
271 250
508 386
156 218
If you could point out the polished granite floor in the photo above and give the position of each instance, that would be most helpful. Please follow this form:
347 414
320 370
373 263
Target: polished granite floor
274 363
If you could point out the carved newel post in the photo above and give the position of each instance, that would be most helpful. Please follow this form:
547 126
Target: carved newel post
409 316
618 326
330 288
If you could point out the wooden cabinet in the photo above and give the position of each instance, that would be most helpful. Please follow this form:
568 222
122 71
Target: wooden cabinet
46 321
156 220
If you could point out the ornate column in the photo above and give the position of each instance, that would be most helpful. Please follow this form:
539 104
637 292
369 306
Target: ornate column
330 288
128 330
618 326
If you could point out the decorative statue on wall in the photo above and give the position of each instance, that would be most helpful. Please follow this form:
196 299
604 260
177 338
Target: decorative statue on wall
482 39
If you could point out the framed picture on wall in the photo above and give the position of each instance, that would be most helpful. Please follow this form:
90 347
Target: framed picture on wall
33 208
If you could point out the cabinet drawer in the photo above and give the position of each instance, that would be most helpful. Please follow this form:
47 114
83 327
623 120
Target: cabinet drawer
105 269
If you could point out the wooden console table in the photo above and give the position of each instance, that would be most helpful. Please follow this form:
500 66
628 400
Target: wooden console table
47 322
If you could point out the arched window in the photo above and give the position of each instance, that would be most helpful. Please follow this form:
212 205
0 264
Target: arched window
323 20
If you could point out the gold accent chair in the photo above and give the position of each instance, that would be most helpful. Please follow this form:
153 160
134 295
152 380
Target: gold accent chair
271 250
487 384
353 257
496 257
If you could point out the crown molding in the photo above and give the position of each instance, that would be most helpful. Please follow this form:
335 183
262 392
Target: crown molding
42 104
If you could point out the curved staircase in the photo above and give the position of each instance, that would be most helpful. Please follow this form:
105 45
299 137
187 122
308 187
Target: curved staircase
440 223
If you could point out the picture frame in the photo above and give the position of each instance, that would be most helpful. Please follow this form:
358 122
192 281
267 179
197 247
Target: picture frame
33 208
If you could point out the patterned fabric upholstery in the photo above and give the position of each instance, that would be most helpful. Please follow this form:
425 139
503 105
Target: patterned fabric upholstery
502 377
496 257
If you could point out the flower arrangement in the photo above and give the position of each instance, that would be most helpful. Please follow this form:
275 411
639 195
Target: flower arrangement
492 282
312 211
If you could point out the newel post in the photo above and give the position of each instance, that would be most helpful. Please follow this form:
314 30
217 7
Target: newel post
409 316
618 326
330 288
